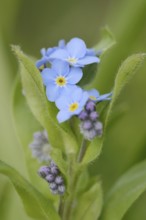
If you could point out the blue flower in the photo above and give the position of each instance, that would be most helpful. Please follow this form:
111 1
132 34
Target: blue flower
90 52
60 78
95 96
75 53
47 52
71 103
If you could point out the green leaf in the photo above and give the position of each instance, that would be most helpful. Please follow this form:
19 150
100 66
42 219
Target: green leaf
89 203
5 203
36 206
125 192
45 112
93 150
89 73
26 125
106 42
125 73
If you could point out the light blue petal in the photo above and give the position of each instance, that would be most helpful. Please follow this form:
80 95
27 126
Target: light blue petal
104 97
88 60
63 116
81 102
61 67
41 62
93 93
80 108
90 52
70 94
74 75
62 102
50 51
43 52
61 44
84 99
76 94
76 48
48 76
52 92
60 54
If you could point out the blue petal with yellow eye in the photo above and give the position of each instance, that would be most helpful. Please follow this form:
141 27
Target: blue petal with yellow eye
71 103
60 78
75 53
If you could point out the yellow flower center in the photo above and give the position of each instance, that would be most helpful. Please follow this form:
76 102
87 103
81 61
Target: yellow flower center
74 106
92 98
72 60
60 81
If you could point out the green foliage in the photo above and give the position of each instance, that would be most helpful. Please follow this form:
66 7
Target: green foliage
89 74
89 203
26 125
44 111
93 150
124 193
106 42
5 190
36 206
127 20
125 73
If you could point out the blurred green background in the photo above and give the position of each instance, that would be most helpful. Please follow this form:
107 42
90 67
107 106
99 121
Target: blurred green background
34 24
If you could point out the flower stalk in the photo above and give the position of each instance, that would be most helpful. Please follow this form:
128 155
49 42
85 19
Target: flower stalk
82 150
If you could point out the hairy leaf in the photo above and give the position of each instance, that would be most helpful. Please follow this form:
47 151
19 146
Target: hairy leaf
125 73
26 125
89 203
106 42
36 206
93 150
44 111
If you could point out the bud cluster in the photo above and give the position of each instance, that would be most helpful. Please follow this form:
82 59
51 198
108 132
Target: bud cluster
40 146
52 175
90 126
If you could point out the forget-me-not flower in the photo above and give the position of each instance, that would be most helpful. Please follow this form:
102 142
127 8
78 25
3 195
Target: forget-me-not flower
95 96
47 52
60 78
71 103
75 53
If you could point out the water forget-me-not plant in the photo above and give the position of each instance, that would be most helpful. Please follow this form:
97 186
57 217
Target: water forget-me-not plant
62 122
66 71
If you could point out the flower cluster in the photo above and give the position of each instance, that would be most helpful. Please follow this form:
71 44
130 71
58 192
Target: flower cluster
62 70
52 175
40 146
41 150
90 125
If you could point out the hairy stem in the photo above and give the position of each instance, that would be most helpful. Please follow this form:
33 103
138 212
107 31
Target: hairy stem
61 206
82 151
74 176
70 200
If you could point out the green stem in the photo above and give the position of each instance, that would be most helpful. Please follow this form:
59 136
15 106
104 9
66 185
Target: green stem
61 206
82 151
74 180
69 202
